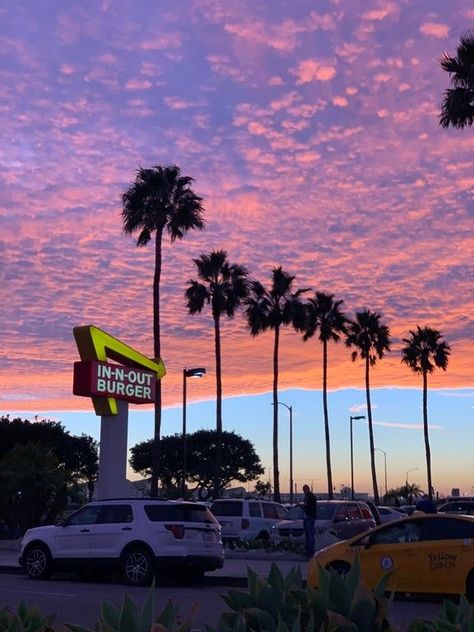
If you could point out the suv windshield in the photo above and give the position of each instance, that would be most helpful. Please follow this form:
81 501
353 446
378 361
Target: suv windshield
227 508
325 511
179 513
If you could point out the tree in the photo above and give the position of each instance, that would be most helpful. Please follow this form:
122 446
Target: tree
160 200
223 286
457 108
325 317
263 488
76 457
423 352
274 308
30 478
241 463
371 340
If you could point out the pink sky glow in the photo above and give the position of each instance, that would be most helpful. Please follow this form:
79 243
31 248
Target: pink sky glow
311 129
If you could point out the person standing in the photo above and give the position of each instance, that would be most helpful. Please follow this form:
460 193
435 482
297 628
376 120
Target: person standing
309 506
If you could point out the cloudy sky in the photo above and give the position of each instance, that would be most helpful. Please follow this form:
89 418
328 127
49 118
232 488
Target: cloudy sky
311 130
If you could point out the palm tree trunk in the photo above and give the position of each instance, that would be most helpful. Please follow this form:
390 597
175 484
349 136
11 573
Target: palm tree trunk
276 471
371 434
157 353
425 430
217 344
326 419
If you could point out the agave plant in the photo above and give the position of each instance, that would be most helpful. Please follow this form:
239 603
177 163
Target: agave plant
128 618
25 620
453 618
284 604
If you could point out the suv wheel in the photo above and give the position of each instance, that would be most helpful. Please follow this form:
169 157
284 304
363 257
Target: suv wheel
38 562
137 566
263 535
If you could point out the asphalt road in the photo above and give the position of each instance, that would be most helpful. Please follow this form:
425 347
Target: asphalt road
77 601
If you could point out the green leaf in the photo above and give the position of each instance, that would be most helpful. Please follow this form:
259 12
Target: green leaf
259 619
110 614
146 618
275 577
238 600
363 613
129 616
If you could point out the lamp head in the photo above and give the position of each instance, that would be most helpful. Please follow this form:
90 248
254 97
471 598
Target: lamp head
359 417
197 372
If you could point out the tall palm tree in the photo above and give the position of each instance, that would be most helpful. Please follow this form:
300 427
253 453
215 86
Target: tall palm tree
274 308
223 286
160 200
457 108
423 352
371 340
324 317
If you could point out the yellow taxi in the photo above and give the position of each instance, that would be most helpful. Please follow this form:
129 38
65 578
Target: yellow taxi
425 553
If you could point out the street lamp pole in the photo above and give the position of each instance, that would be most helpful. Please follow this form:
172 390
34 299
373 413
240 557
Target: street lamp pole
197 372
352 453
385 466
290 408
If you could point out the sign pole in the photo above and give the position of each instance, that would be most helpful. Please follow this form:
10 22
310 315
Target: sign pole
112 479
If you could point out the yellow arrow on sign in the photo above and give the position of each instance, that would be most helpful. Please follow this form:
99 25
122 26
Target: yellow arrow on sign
95 344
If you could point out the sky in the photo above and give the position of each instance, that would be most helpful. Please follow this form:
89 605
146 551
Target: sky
311 131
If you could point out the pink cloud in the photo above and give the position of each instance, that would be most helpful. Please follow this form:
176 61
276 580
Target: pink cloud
312 70
138 84
435 29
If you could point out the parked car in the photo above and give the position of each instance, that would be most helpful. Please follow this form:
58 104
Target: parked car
134 536
407 509
247 519
340 518
389 514
463 507
424 553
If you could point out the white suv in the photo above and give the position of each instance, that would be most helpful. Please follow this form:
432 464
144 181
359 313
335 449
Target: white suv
247 519
138 537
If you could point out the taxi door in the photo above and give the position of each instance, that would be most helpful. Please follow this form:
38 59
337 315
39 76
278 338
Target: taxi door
445 553
393 549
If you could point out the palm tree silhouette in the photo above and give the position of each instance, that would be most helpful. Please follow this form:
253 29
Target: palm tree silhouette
423 352
325 317
371 340
223 286
274 308
160 200
457 108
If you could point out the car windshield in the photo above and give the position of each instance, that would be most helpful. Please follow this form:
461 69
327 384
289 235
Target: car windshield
295 513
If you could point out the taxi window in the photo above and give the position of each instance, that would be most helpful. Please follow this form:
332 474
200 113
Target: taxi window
397 534
447 529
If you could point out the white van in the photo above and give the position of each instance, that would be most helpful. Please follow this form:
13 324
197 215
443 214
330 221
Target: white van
248 519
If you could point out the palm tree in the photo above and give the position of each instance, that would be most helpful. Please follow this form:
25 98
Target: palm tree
160 200
324 315
457 108
423 352
223 286
274 308
371 340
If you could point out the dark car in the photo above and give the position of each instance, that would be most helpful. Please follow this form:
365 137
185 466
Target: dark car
341 519
407 509
460 507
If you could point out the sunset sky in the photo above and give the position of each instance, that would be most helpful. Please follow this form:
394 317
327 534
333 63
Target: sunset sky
311 130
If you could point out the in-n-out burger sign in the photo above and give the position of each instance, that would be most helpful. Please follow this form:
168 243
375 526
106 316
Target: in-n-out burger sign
134 380
98 379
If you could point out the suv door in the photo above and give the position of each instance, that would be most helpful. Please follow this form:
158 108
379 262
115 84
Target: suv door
112 530
73 538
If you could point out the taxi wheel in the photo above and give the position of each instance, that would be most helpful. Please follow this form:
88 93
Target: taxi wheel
341 568
470 587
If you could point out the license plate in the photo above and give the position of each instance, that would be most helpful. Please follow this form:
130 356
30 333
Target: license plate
208 537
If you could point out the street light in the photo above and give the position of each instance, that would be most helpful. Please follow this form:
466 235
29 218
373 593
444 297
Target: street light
197 372
352 454
406 475
385 466
290 408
